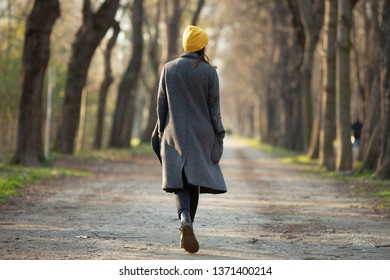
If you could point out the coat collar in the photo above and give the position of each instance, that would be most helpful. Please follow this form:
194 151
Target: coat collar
190 55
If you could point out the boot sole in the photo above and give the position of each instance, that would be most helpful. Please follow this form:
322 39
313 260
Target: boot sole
189 242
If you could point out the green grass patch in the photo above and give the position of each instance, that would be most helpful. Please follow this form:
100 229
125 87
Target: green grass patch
379 190
12 177
301 159
285 155
137 148
5 157
266 148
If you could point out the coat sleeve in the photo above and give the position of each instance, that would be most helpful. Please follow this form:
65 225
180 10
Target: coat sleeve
214 106
162 105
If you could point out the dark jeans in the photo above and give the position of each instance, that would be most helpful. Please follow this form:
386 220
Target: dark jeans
187 198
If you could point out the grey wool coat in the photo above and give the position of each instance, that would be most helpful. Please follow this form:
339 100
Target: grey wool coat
188 137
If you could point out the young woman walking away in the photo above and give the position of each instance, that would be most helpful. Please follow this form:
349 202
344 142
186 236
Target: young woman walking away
188 137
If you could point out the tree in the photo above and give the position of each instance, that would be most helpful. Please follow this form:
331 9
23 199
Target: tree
13 17
383 167
303 117
36 55
366 47
284 113
326 155
343 86
154 58
172 19
89 35
108 79
307 21
125 105
198 10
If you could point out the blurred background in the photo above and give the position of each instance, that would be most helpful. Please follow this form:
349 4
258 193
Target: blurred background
305 75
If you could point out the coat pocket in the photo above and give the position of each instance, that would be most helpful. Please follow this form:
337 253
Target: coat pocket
217 151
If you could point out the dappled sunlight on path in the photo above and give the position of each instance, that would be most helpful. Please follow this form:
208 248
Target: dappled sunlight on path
271 211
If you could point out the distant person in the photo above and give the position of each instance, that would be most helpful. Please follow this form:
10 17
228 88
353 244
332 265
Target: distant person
357 130
188 137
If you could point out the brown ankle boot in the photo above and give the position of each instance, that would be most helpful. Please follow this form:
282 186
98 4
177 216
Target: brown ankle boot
188 240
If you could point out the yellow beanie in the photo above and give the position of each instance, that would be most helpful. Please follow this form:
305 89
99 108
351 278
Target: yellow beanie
194 39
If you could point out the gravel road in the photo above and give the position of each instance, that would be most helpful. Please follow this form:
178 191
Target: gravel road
272 211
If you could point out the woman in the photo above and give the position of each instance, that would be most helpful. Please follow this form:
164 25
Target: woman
188 137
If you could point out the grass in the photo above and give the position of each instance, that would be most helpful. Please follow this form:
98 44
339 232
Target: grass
12 177
367 185
379 190
284 155
266 148
137 148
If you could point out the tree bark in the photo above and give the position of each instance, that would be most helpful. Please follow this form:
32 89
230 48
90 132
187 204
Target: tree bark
298 139
93 29
369 58
154 55
173 23
108 79
36 55
370 152
313 151
343 86
284 121
196 15
125 105
370 70
383 169
312 16
326 154
311 13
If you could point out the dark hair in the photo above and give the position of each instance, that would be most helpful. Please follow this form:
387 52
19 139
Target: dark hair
202 57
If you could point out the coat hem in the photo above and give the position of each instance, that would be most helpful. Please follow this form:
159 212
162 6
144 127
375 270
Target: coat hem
202 190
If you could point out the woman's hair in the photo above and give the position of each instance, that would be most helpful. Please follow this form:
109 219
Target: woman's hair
202 57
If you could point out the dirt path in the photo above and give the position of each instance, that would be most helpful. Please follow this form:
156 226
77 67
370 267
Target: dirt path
272 211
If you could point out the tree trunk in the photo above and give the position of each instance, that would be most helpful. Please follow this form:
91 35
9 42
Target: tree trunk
370 159
383 169
93 29
125 105
370 66
328 86
154 55
370 151
311 13
343 86
313 151
152 117
312 16
36 55
285 107
173 24
263 114
108 79
195 16
284 123
298 138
